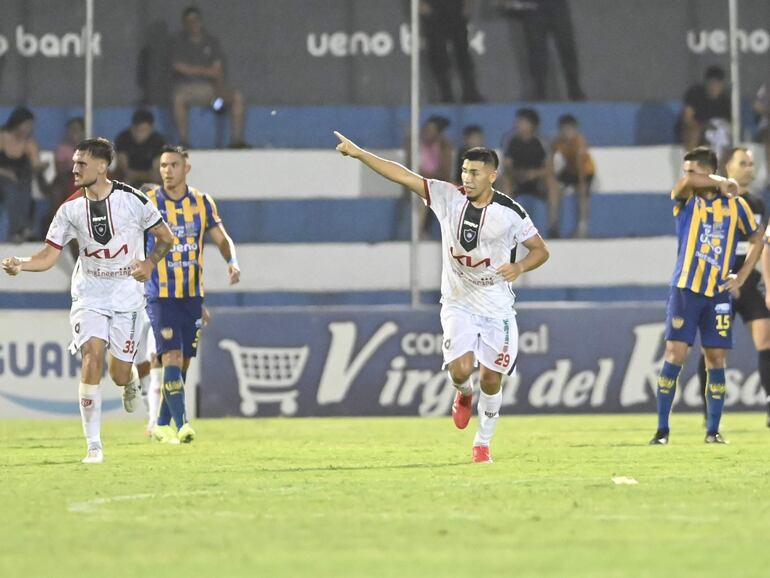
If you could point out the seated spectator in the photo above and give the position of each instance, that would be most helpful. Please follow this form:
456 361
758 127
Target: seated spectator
139 148
198 63
473 137
19 164
526 166
706 114
64 184
574 167
762 108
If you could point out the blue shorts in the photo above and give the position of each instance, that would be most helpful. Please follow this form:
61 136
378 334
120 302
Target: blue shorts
176 324
687 312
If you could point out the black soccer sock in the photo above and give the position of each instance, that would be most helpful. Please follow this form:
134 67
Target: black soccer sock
764 371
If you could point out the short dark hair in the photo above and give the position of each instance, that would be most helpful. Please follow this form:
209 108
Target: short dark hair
731 153
714 72
472 129
567 120
703 156
76 120
179 149
142 116
99 148
529 114
485 155
18 116
191 9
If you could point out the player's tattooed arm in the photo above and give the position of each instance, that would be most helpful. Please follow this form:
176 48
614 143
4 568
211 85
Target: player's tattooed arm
693 183
164 240
391 170
40 261
538 254
756 248
227 249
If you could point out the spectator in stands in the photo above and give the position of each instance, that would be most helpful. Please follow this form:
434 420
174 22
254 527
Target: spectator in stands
199 66
445 22
139 148
542 18
473 136
762 108
64 184
435 160
574 167
19 164
527 169
706 114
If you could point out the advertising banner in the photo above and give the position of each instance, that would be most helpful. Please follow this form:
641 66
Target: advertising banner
38 375
387 361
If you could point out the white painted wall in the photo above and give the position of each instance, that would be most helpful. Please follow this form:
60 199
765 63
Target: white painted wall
360 266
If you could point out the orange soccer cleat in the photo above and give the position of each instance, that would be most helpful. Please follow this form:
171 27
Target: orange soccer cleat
481 455
461 410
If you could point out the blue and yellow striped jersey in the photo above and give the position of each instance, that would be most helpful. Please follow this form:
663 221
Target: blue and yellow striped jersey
706 232
180 274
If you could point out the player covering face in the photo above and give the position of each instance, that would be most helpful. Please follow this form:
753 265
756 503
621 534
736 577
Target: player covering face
710 219
480 230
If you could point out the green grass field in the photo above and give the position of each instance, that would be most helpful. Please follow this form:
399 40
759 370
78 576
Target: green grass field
387 497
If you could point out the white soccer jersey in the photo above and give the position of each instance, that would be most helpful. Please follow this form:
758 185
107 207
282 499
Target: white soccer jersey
474 243
110 235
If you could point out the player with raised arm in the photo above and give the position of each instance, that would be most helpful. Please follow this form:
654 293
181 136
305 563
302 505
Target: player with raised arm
480 230
109 221
709 219
175 290
749 300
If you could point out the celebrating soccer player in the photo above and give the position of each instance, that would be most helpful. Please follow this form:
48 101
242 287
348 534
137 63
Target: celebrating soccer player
480 230
709 221
175 291
109 220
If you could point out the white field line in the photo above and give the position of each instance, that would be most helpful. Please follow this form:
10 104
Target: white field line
92 505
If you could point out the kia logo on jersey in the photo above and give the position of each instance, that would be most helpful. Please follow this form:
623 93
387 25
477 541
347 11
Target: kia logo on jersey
106 253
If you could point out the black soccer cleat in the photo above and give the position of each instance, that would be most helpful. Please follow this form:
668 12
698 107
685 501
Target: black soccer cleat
715 438
660 438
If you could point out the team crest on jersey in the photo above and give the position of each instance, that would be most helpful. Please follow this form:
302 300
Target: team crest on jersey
677 323
469 235
471 224
167 333
100 225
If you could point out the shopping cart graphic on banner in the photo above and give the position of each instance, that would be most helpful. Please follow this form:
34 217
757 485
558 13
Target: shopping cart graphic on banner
267 375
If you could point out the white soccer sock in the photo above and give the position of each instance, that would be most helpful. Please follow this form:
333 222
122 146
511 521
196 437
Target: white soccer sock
144 384
489 411
466 388
153 395
91 413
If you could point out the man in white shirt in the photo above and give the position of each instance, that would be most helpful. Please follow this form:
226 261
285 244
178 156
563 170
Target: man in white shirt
109 220
480 230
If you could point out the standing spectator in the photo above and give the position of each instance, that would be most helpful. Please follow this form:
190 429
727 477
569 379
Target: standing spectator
139 148
542 18
198 63
445 22
526 166
706 114
473 136
19 163
762 108
576 169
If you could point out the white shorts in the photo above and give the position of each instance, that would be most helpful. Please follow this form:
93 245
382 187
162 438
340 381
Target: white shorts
145 348
120 331
494 342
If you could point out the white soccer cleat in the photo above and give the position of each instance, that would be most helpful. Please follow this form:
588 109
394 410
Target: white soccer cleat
130 397
94 456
